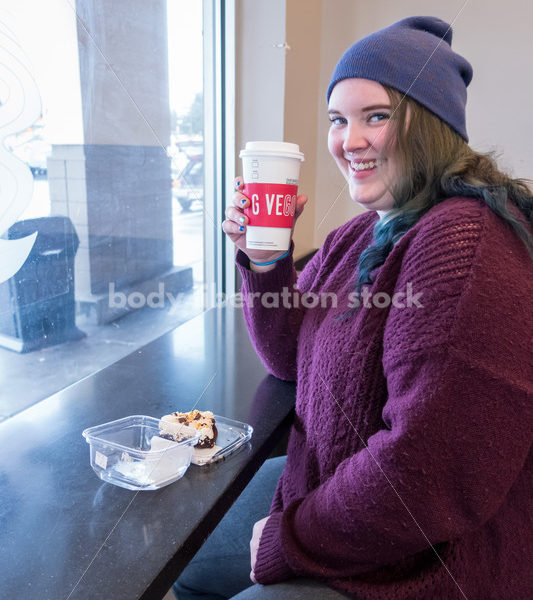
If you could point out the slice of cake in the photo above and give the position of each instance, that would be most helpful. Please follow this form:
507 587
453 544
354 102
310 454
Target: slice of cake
201 420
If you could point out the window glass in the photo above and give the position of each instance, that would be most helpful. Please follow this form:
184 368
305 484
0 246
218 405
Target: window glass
102 214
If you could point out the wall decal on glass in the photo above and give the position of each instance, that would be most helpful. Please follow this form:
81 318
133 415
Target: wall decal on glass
20 107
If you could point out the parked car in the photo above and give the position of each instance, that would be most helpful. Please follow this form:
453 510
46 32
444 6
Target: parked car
34 153
188 185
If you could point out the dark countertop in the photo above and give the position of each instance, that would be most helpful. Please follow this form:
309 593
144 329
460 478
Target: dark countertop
64 533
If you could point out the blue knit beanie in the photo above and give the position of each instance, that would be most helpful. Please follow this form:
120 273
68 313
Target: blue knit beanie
415 57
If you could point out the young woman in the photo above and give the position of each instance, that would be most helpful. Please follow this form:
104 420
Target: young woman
408 469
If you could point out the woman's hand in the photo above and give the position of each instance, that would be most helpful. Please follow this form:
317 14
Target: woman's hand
254 544
236 219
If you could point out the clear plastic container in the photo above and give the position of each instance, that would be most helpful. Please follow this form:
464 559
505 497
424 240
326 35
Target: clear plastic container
232 435
130 453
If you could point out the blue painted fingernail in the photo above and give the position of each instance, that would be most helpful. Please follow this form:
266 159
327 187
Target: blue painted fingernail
241 228
237 184
243 201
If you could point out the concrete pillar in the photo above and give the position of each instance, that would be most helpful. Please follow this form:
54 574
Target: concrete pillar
116 187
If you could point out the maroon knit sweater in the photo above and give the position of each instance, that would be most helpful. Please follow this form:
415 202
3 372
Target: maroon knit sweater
409 469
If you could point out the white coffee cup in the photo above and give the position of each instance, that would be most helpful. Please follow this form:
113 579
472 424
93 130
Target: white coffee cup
271 171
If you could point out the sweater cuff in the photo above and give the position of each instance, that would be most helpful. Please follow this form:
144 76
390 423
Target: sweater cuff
271 566
269 280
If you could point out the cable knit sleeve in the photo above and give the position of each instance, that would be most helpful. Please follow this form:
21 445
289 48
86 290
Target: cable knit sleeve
458 418
273 311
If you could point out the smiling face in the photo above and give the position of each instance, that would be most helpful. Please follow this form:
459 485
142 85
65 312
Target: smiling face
359 141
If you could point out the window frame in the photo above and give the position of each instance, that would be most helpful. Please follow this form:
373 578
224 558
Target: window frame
219 144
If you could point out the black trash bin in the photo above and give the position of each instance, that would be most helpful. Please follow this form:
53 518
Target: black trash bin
37 306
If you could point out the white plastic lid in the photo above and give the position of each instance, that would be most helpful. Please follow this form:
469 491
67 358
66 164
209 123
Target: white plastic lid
283 149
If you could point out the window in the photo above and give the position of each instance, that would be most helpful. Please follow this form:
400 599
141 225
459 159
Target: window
113 182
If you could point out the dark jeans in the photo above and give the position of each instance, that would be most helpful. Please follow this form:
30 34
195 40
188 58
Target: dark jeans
221 568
